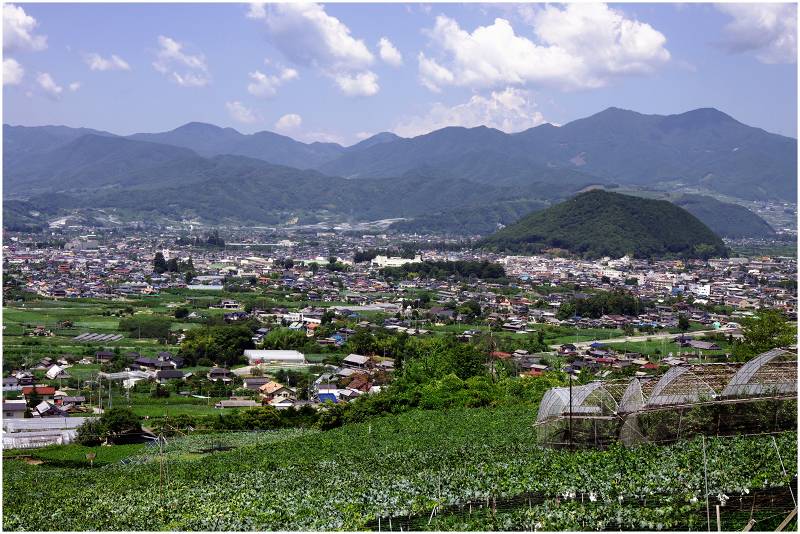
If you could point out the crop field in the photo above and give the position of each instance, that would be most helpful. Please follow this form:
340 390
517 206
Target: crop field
428 470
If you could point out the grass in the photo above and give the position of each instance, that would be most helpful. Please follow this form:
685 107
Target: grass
73 455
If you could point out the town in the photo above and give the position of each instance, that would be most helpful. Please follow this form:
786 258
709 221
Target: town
181 323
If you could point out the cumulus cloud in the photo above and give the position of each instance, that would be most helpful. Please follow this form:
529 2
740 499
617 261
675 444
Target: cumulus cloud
74 86
18 28
359 84
767 30
389 53
578 46
49 85
289 122
240 113
12 72
264 85
186 70
308 36
97 62
509 110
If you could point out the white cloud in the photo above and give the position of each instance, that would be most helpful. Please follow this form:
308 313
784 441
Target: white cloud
308 36
768 30
74 86
579 46
240 113
18 29
510 110
432 75
12 71
264 85
363 135
49 85
359 84
389 53
185 69
256 11
97 62
289 122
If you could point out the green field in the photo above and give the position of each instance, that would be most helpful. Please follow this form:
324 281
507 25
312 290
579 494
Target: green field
427 470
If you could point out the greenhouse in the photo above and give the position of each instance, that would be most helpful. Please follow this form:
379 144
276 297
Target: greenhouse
715 398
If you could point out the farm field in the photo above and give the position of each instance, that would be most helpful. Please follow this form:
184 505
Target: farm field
420 470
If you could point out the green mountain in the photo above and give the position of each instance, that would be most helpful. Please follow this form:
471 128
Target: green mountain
724 218
470 220
703 147
209 140
600 223
92 161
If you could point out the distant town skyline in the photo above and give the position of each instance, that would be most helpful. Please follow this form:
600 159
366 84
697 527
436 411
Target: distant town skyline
343 72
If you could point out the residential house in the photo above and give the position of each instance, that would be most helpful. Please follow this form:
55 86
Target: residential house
356 361
254 383
44 393
165 375
274 390
14 409
219 373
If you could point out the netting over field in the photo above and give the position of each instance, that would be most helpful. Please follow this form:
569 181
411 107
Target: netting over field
617 409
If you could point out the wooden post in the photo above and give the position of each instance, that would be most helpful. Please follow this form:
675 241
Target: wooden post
719 523
749 525
786 521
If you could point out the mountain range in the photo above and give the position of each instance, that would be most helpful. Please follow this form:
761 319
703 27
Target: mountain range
204 172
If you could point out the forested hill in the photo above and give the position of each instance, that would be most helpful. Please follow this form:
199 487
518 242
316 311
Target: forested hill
600 223
724 218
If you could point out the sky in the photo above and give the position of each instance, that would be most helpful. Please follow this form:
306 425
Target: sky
342 72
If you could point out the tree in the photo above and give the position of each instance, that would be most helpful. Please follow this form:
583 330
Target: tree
188 277
766 330
159 263
172 265
91 433
683 323
119 422
181 313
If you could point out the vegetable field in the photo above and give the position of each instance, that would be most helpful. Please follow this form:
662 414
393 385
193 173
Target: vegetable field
420 467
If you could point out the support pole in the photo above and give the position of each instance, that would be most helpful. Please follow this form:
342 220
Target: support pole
791 490
786 521
719 523
705 480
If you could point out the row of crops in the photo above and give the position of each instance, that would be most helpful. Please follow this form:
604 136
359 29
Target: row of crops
410 465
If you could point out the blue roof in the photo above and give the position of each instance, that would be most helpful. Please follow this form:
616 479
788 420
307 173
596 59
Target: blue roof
324 397
596 344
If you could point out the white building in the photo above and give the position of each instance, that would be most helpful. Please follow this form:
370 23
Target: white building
385 261
255 357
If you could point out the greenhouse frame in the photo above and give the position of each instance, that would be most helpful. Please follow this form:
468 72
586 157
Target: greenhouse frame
759 395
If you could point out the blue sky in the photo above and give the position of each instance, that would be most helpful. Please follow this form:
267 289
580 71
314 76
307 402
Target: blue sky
340 72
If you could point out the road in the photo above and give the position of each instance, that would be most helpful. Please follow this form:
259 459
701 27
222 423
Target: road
581 345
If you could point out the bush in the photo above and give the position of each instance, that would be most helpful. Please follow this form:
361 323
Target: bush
91 433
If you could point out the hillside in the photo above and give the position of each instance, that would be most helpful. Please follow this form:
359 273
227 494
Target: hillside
469 221
724 218
599 223
424 470
94 161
